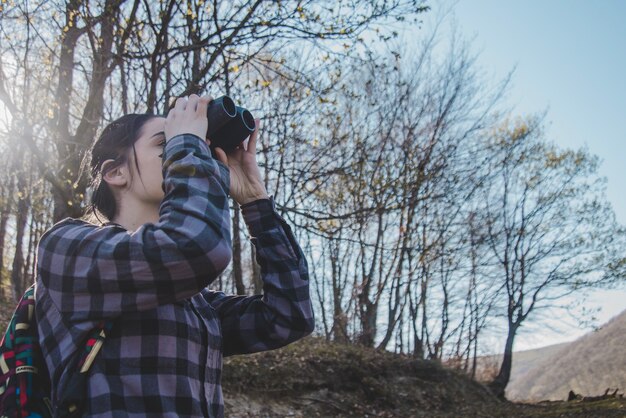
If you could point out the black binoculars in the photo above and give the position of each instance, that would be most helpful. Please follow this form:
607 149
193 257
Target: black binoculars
229 125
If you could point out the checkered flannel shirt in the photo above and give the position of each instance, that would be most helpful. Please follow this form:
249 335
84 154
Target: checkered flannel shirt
163 356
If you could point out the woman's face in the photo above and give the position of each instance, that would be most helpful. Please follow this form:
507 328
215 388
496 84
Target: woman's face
146 183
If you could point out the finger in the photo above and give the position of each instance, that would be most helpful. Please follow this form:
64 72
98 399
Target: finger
221 155
203 103
171 103
181 104
253 137
192 102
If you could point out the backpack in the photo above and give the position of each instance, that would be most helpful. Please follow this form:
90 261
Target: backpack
24 380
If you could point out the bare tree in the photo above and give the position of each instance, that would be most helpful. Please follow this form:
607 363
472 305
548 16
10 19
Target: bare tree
549 226
375 157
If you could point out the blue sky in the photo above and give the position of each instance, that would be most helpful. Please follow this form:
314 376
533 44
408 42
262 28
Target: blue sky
570 59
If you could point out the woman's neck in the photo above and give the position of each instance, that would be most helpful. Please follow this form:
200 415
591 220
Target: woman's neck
134 214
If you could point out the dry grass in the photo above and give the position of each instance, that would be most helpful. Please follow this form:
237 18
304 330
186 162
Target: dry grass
313 378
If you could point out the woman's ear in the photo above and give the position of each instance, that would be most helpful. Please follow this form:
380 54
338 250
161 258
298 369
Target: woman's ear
115 176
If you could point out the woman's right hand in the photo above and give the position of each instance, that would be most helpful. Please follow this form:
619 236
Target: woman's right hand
188 116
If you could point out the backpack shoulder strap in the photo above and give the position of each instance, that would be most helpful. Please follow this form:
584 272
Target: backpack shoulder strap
72 400
93 345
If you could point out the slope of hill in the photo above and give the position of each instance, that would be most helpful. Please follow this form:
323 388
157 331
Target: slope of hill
314 378
588 366
524 361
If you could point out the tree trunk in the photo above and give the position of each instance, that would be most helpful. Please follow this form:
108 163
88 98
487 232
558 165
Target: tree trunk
237 265
418 344
4 217
17 279
368 309
33 238
340 320
368 316
498 385
256 272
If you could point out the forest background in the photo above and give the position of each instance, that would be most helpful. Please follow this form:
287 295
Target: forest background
434 217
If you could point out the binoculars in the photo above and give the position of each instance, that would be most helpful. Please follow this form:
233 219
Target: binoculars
229 125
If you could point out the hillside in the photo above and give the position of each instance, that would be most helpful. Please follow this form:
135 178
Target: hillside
314 378
524 361
589 366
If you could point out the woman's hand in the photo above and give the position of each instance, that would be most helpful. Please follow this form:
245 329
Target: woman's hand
245 177
188 117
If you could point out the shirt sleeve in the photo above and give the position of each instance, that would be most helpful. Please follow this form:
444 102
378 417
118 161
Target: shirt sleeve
283 313
93 272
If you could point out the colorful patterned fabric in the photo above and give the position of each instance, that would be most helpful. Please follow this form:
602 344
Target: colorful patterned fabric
163 354
24 382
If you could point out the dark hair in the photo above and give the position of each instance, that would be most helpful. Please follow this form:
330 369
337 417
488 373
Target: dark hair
114 142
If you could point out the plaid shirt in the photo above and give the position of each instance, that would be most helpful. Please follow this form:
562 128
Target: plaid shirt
163 355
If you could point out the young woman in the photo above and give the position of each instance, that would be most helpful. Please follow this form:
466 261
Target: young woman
147 271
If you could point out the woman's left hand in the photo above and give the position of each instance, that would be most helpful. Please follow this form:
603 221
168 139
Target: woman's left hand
246 184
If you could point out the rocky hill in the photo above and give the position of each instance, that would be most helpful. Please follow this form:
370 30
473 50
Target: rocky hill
589 365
